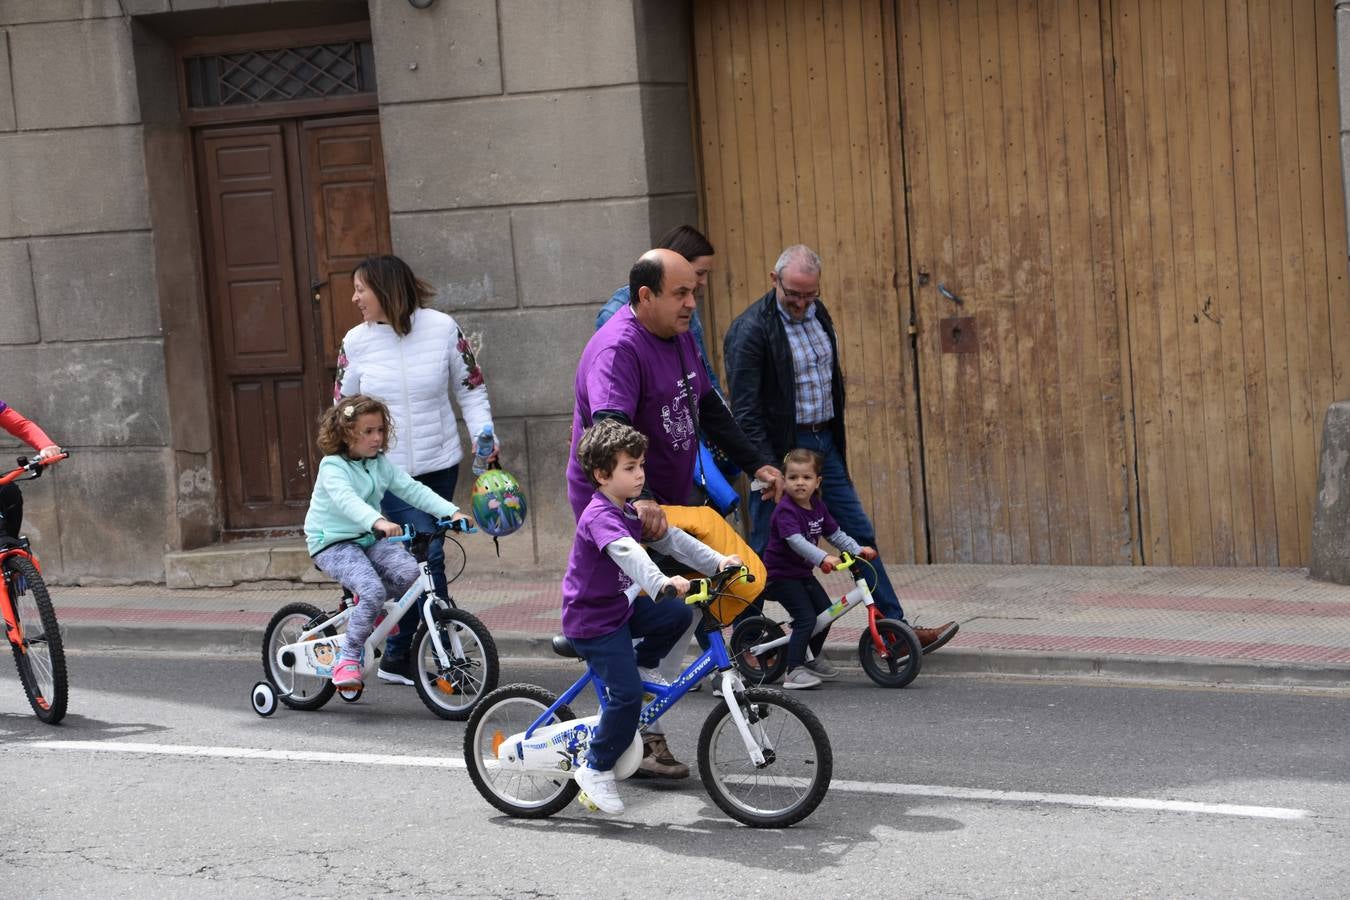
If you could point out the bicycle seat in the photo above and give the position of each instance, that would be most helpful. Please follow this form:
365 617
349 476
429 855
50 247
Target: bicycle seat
562 645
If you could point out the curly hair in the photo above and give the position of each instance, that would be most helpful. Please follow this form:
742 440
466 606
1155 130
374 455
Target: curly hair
601 444
337 425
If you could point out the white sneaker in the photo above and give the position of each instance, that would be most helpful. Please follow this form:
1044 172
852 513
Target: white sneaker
600 788
822 667
800 679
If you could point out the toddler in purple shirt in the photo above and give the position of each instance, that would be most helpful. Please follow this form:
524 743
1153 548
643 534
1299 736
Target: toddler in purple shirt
602 611
798 522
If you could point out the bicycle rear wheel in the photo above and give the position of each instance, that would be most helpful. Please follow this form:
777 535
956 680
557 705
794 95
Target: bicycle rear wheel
452 691
767 667
798 760
41 658
297 691
506 711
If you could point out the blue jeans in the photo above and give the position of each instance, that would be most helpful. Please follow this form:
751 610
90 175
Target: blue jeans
841 499
615 662
442 481
804 599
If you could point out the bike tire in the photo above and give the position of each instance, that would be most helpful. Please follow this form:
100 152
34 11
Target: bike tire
41 659
510 710
766 668
903 658
303 692
453 693
794 780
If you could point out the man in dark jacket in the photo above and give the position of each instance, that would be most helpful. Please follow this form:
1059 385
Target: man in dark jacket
787 391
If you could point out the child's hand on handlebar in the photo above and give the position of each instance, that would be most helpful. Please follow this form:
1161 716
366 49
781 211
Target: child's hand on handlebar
827 565
729 562
385 528
47 453
867 553
681 585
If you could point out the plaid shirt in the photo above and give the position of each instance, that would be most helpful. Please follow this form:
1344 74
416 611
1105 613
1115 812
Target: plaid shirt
812 365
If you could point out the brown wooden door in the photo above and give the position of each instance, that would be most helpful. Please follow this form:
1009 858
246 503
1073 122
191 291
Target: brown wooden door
344 181
1020 382
284 205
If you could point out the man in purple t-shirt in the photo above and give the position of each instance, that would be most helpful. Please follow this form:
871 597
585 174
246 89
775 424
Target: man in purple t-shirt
643 368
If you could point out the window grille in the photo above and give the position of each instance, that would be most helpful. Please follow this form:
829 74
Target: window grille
293 73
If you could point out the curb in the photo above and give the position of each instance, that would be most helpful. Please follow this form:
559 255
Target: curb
950 661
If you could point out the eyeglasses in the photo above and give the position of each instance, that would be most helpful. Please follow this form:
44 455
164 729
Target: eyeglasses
798 295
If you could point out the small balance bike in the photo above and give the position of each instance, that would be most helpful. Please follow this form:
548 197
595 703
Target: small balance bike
763 756
454 658
888 649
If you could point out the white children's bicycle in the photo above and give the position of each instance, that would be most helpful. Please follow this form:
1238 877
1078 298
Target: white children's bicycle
454 658
888 649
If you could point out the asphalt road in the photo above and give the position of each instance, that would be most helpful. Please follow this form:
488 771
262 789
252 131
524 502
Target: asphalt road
955 786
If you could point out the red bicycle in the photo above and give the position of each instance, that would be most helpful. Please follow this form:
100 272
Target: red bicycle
30 619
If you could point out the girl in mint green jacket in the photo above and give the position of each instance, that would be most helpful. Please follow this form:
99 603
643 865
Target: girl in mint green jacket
344 521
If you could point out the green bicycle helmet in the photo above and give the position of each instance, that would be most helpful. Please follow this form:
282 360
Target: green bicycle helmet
498 503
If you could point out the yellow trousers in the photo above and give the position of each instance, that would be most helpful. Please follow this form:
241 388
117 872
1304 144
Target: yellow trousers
704 523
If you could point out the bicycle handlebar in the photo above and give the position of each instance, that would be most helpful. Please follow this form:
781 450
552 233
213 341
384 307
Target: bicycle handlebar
34 466
703 590
846 560
459 526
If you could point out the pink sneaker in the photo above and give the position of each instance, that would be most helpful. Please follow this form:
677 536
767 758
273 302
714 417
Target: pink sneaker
347 674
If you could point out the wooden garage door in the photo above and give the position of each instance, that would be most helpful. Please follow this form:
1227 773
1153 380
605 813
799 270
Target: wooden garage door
1139 206
795 101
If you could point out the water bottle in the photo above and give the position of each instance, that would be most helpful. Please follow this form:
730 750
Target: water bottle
482 449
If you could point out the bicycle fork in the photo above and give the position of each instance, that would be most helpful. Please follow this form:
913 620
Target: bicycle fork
756 740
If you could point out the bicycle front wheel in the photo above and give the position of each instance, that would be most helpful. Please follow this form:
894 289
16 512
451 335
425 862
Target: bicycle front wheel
798 761
452 691
899 663
502 713
767 667
40 658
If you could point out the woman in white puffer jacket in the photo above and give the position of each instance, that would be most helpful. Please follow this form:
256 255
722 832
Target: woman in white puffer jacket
412 358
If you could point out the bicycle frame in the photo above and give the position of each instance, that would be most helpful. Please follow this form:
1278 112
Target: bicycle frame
860 594
305 653
715 658
27 471
13 627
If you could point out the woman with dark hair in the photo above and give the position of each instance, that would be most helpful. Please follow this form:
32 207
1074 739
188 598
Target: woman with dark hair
412 357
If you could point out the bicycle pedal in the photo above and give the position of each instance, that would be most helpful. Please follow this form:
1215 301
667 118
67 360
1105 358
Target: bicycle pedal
586 802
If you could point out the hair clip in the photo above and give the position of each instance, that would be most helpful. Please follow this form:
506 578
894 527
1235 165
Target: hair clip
348 410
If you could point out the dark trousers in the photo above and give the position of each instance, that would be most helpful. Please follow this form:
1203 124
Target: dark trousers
11 510
442 481
615 662
804 599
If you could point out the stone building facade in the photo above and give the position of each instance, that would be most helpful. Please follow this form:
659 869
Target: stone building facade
532 149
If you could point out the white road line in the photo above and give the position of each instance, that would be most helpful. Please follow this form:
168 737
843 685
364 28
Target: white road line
1084 800
861 787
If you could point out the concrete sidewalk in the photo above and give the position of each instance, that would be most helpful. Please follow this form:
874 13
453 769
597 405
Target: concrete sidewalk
1242 626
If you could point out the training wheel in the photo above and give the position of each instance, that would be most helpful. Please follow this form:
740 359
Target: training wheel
264 698
351 695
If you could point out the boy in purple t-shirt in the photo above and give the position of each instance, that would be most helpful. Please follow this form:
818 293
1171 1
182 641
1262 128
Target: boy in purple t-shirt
799 520
601 611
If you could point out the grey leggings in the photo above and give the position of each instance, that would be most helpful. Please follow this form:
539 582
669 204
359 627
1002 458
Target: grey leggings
374 575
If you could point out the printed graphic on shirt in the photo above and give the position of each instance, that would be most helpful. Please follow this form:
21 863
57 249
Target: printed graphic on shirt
676 417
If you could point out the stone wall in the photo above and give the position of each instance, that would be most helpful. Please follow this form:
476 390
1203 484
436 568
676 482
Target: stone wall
534 149
82 352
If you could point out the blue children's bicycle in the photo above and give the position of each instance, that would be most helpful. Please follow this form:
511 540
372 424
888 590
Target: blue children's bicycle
454 656
763 756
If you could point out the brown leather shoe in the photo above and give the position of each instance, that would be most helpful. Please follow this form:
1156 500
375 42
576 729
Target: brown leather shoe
931 639
658 761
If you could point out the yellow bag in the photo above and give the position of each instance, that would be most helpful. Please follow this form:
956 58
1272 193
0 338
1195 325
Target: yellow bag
703 523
